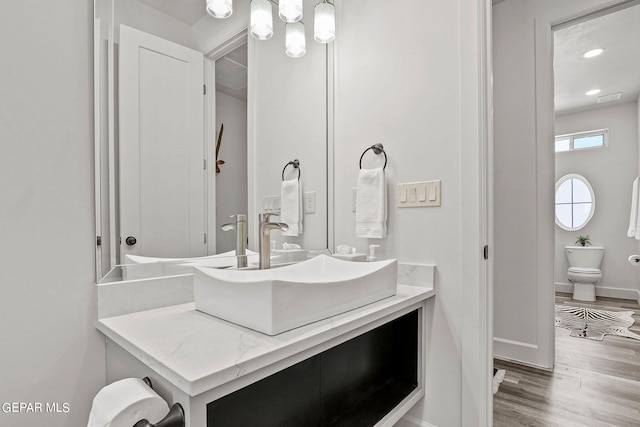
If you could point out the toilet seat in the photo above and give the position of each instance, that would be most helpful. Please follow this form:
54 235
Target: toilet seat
585 270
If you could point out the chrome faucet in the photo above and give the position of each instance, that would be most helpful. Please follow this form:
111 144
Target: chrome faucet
265 238
241 237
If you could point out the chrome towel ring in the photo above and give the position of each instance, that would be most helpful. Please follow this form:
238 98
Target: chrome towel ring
296 165
377 149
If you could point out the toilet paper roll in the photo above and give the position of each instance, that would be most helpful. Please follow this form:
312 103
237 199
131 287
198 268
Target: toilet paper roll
634 259
124 403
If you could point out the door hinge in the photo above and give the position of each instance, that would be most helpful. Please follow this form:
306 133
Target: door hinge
99 241
204 163
204 89
205 238
486 251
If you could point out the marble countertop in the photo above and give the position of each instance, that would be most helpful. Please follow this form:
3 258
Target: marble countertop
197 352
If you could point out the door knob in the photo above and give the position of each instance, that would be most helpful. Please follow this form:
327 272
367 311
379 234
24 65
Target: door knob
130 240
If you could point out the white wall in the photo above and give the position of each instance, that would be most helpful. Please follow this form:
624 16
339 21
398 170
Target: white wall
515 174
524 175
610 171
400 80
425 112
231 182
51 351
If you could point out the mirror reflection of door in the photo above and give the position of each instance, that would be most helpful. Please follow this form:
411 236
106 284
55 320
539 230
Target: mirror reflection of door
231 116
162 174
279 128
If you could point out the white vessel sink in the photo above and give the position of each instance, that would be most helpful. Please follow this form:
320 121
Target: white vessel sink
142 267
277 300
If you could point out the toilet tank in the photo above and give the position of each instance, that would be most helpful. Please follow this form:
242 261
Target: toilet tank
584 256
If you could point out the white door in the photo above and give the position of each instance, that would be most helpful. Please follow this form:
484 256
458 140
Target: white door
162 178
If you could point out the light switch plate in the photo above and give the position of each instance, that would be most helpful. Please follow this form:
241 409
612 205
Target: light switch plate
418 194
271 204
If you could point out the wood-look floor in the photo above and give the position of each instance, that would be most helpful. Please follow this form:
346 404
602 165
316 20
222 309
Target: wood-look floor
594 383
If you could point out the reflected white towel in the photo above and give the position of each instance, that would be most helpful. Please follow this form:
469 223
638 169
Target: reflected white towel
634 218
291 207
371 204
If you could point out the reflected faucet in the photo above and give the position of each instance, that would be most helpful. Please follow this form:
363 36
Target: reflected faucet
265 238
241 237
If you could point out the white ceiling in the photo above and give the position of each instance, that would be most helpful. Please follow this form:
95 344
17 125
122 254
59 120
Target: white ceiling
616 70
231 73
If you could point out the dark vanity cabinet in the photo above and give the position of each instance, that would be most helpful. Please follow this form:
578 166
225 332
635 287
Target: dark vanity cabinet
354 384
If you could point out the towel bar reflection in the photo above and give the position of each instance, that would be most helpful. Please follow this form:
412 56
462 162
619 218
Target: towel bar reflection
377 149
296 165
175 417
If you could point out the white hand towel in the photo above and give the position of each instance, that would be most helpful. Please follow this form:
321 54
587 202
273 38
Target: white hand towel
371 204
291 207
634 217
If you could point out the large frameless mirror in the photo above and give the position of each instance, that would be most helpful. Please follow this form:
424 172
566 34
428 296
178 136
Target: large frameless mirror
173 164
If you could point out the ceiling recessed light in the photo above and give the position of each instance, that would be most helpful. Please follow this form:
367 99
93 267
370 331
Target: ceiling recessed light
593 53
592 92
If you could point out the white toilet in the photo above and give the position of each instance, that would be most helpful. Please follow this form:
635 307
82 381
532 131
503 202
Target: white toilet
584 270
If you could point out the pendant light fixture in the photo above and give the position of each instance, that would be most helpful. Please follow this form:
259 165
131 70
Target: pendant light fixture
324 22
261 25
290 10
219 8
295 45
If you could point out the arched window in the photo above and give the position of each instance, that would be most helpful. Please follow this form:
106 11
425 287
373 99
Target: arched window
575 202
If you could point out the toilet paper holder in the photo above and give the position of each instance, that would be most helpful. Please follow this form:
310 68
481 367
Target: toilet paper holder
175 417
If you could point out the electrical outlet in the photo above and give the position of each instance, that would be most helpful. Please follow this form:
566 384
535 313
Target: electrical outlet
354 195
309 202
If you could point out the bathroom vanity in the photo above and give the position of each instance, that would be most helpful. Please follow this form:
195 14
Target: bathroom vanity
363 367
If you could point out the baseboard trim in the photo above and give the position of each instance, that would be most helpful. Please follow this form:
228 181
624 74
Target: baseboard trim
603 291
520 362
411 421
566 288
515 343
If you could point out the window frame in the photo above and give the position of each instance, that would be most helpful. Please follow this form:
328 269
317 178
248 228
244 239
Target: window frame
572 136
561 181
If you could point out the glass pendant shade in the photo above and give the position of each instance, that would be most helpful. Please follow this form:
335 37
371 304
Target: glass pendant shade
294 39
324 22
290 10
219 8
261 19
